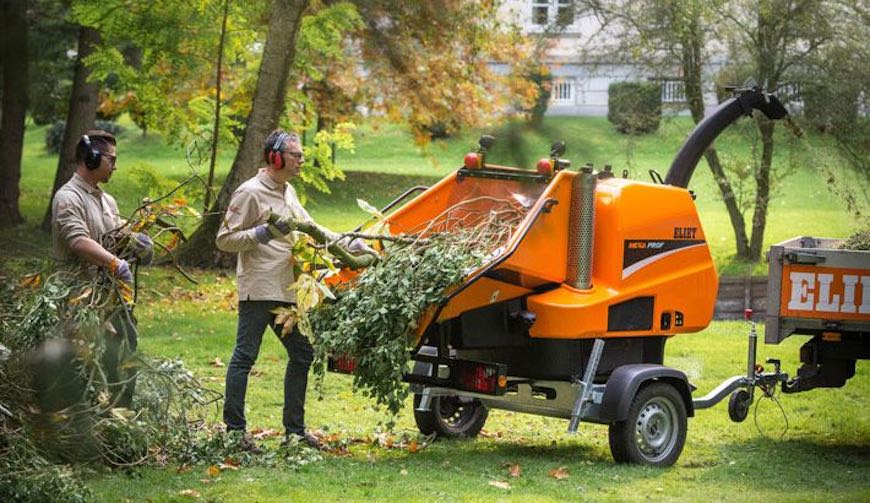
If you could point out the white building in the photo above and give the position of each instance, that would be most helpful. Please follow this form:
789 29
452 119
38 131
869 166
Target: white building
579 87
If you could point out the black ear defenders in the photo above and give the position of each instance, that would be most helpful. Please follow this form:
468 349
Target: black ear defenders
275 157
92 154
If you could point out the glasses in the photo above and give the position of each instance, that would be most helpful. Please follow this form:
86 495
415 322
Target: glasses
297 155
111 159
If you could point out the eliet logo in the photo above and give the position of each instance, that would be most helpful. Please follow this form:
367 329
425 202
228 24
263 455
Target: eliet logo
824 292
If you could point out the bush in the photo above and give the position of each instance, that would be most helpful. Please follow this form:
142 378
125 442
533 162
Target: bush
634 107
54 134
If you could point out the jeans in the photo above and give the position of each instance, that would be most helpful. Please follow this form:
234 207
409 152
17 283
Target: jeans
254 317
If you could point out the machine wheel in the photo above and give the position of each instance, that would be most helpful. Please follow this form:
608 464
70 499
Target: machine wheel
738 405
451 417
655 431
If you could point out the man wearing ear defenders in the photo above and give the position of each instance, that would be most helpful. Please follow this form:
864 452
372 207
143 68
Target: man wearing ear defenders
264 273
82 214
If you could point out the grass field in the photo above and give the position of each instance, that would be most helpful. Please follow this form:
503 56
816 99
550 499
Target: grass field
386 162
825 454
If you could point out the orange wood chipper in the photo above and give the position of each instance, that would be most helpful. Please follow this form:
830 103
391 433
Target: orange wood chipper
570 318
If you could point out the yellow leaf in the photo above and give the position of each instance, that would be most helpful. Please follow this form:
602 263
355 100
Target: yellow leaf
30 280
188 492
500 484
217 362
213 471
413 446
559 473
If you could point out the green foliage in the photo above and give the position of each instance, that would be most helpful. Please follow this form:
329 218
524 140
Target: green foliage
543 80
25 475
634 107
373 321
858 241
319 167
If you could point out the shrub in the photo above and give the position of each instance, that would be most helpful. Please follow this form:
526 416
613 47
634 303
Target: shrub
54 134
634 107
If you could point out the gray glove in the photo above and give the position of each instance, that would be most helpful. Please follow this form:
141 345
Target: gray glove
121 270
143 248
269 231
359 247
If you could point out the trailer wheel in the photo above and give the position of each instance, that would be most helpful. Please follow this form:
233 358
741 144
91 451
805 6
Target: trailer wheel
738 405
451 417
655 431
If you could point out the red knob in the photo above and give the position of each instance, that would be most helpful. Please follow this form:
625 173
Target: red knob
472 160
545 167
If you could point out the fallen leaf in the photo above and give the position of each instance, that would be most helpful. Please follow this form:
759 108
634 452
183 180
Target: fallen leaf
263 433
559 473
188 492
229 464
213 471
514 469
217 362
403 472
499 484
413 446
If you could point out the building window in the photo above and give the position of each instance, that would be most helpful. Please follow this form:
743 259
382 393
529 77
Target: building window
565 14
563 92
540 12
673 91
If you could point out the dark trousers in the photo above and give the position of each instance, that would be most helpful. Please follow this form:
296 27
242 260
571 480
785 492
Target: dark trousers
119 347
254 317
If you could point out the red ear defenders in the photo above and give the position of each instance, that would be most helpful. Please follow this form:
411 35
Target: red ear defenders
275 157
92 154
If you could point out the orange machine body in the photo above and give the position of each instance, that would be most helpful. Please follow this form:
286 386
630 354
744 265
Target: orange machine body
652 273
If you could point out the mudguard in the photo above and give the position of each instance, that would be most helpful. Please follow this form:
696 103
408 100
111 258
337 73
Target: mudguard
625 381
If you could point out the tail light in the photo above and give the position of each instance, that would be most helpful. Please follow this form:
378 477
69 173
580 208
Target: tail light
481 378
343 364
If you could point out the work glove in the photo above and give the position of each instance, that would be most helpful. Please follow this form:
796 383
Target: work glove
121 270
142 247
269 231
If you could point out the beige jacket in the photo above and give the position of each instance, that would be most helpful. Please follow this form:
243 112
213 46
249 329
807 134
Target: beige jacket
264 271
80 210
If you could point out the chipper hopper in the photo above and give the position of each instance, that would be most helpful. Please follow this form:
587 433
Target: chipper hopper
570 317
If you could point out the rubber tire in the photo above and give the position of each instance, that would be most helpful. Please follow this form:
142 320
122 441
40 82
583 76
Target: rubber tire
738 405
432 421
623 443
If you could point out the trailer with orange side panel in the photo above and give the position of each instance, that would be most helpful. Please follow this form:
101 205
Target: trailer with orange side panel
819 290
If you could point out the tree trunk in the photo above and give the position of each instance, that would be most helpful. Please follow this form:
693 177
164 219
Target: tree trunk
83 104
762 188
279 54
691 46
13 44
217 107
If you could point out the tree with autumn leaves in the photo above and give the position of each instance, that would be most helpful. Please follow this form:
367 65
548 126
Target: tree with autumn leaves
288 63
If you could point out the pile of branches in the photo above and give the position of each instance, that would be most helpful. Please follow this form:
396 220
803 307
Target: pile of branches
58 410
374 318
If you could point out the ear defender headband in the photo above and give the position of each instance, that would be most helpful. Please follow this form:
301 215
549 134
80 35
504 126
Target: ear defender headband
275 157
92 154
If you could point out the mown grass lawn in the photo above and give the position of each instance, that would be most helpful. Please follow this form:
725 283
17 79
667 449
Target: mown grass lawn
824 455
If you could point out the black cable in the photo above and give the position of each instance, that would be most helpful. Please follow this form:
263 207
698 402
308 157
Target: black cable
771 394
